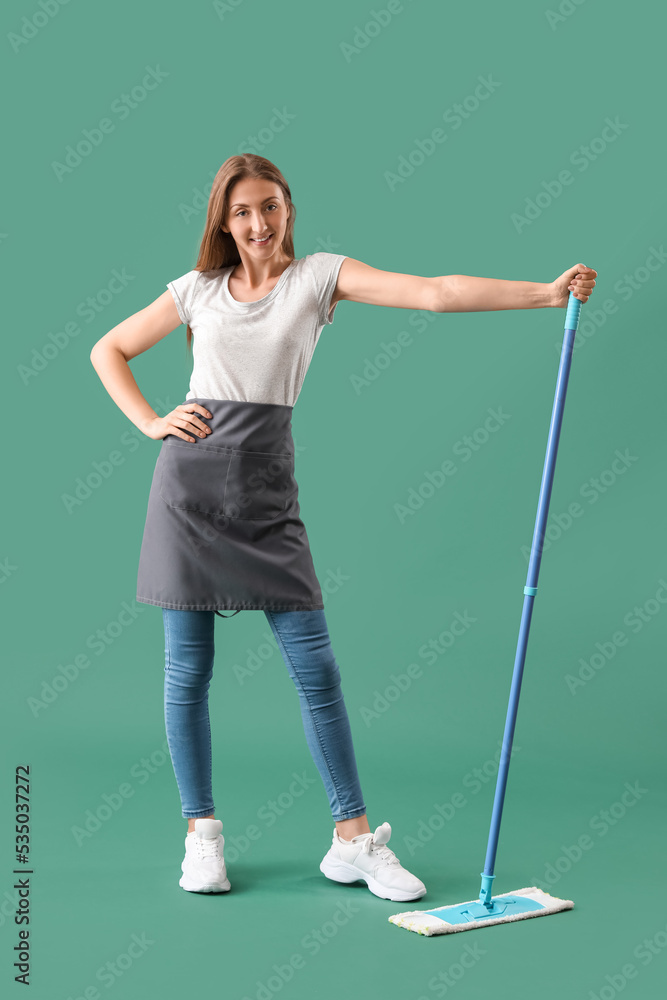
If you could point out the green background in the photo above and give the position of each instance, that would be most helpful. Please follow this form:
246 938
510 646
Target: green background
361 97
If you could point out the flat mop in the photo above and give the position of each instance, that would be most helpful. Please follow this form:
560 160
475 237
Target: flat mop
531 902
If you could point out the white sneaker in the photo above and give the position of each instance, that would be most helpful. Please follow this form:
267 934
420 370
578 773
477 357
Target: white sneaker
204 865
367 857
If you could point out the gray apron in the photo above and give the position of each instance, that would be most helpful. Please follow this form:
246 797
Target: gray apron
222 528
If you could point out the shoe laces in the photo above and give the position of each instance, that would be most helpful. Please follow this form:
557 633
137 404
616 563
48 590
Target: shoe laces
380 851
208 848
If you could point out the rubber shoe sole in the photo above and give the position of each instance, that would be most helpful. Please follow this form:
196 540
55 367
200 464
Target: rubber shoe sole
212 887
340 871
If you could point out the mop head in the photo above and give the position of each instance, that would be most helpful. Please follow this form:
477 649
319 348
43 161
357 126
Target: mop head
517 905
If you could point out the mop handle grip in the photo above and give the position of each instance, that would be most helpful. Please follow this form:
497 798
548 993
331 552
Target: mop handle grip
572 314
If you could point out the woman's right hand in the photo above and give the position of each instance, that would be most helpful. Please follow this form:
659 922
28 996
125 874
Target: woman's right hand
182 421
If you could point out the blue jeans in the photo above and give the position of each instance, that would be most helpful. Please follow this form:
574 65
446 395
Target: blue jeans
303 640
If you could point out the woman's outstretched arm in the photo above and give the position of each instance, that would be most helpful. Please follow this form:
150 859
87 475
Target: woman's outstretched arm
359 282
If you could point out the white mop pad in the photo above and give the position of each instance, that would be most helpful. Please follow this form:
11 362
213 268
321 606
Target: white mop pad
424 922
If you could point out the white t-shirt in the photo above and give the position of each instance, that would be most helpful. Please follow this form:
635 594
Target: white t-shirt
260 351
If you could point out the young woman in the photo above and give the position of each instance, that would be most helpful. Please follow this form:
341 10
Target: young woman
222 529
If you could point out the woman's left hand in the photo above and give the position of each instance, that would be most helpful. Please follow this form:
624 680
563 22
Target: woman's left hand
580 280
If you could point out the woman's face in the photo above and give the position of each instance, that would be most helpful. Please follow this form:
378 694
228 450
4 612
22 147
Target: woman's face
257 210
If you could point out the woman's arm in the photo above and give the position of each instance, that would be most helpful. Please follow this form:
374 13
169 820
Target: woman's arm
358 282
110 356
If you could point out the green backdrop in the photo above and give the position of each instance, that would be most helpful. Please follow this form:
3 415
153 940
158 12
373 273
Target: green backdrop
509 141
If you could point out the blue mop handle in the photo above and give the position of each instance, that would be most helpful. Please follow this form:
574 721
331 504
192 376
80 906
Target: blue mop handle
571 323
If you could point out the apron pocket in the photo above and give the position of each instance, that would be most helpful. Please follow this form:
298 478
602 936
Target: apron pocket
193 476
259 484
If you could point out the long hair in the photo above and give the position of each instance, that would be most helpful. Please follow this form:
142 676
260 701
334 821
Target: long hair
217 248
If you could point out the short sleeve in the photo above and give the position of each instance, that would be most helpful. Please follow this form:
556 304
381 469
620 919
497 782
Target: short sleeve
183 290
325 268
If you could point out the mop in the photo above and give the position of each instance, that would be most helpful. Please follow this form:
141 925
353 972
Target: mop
531 902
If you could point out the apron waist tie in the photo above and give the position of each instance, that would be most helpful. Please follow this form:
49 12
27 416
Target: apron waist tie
227 616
